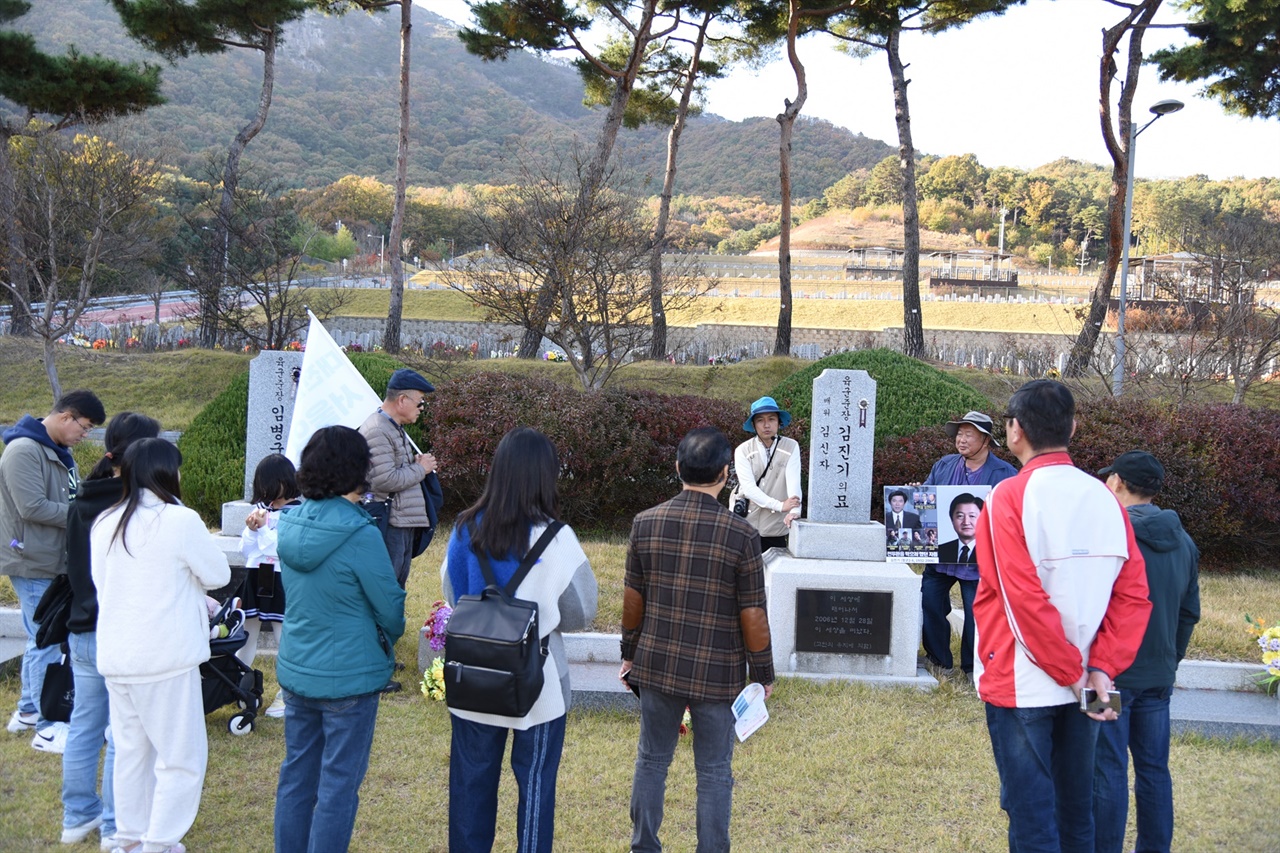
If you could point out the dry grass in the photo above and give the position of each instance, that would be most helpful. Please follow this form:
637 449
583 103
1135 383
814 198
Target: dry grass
854 314
171 386
838 768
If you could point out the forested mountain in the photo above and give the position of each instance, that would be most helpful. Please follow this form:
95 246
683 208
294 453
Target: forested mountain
334 110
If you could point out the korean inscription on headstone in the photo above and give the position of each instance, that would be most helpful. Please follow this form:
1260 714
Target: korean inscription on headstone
273 379
834 621
841 443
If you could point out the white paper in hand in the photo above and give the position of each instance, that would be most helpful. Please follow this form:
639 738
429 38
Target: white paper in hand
749 711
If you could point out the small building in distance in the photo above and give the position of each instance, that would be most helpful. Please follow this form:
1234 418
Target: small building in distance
972 268
944 267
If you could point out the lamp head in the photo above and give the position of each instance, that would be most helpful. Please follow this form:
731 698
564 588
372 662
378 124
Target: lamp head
1169 105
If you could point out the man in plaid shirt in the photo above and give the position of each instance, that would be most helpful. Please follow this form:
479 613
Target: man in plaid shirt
693 624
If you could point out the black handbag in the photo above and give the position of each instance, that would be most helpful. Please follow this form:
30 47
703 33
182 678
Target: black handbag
59 692
53 612
492 650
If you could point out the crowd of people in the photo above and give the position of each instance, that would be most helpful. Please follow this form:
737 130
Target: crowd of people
1075 589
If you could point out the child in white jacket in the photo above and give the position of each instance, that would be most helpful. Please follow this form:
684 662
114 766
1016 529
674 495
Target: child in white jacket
275 491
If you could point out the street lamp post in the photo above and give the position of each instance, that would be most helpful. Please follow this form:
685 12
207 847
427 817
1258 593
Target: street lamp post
1158 109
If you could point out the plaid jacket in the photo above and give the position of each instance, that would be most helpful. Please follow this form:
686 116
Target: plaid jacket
697 566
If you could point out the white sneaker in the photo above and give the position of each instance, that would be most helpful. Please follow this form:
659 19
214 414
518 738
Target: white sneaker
76 834
277 707
107 844
53 738
21 722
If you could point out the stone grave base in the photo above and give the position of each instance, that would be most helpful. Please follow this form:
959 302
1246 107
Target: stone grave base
813 540
786 574
233 515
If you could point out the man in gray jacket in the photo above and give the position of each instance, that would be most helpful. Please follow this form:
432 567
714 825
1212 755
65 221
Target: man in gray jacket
396 471
1142 730
38 481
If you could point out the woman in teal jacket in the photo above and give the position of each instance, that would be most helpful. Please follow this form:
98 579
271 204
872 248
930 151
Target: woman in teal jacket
344 614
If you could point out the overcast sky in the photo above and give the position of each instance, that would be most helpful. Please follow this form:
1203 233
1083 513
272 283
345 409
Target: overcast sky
1018 90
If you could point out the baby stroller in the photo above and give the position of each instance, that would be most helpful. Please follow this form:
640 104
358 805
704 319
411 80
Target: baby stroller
224 679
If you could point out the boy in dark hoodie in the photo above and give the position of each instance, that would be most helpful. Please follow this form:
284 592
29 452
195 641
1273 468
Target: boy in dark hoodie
1135 478
38 481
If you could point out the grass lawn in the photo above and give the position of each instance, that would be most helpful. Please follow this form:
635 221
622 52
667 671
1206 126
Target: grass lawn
838 768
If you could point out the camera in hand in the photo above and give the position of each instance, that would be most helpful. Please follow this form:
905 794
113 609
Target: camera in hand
740 507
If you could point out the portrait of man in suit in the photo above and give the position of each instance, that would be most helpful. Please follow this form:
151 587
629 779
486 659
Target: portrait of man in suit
964 520
898 518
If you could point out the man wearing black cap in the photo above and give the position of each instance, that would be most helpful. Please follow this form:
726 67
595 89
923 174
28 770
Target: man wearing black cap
396 472
971 465
1143 727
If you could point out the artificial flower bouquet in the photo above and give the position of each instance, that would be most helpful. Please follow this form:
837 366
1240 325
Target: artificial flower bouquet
433 679
1269 642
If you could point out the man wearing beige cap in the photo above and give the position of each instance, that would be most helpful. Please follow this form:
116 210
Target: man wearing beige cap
971 465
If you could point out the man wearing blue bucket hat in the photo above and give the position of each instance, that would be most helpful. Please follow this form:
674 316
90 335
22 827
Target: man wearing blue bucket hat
768 470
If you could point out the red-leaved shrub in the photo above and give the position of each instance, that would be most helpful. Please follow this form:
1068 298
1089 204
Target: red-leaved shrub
617 449
1222 466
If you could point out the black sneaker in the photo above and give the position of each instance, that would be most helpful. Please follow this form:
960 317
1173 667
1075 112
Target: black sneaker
392 687
399 666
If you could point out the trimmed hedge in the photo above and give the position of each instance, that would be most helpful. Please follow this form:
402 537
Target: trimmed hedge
1222 467
617 448
910 394
213 447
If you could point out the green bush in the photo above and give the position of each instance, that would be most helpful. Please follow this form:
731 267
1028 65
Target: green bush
909 393
213 447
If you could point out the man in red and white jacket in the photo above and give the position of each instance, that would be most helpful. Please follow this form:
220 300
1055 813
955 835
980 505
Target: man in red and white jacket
1061 605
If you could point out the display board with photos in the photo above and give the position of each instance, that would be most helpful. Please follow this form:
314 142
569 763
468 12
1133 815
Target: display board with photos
932 524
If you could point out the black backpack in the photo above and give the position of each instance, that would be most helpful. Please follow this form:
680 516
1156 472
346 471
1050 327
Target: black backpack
492 651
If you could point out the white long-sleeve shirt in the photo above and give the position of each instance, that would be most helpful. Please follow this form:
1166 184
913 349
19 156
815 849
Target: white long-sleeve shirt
154 589
749 460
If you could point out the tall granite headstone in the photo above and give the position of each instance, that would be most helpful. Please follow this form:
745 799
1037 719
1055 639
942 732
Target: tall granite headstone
841 445
273 381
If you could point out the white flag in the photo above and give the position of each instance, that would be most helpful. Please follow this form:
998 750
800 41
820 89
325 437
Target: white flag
330 391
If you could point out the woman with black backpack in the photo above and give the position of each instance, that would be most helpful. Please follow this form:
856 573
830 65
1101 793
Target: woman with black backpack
494 537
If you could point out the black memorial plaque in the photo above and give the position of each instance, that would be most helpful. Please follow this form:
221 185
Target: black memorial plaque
843 622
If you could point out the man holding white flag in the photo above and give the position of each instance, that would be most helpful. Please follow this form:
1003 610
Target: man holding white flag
331 392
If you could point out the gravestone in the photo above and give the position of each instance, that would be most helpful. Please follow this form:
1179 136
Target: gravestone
836 608
273 380
841 451
841 444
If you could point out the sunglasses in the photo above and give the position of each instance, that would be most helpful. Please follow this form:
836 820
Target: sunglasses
421 404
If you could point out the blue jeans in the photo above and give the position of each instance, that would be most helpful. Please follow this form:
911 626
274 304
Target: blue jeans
1143 730
713 736
89 722
400 548
935 599
1045 760
34 661
326 754
475 764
